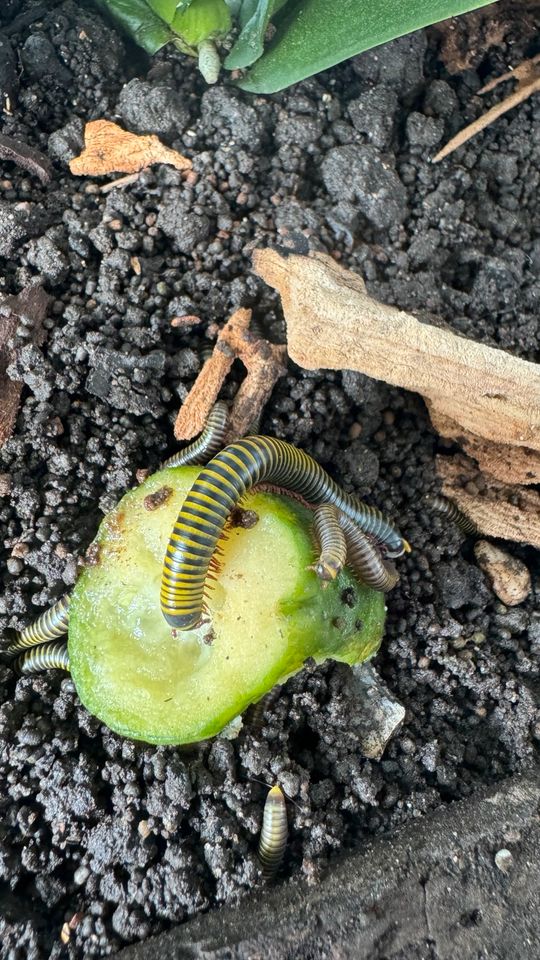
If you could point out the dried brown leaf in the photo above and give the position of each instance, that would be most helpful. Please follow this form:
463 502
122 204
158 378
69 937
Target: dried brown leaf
498 509
109 149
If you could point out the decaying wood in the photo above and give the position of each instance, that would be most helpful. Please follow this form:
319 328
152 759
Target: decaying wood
264 363
109 149
29 306
500 460
498 509
333 323
527 75
510 578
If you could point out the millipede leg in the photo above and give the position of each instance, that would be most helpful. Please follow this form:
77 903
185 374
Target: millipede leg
49 656
50 625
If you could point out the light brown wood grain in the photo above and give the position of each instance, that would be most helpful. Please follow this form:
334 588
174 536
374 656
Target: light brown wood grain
264 363
498 509
333 323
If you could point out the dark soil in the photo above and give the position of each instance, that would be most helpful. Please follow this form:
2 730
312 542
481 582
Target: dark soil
135 838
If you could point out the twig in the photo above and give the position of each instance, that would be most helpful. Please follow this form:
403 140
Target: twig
26 157
264 363
528 82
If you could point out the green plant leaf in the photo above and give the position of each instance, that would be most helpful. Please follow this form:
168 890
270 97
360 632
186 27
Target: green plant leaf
313 35
140 21
202 20
167 9
254 19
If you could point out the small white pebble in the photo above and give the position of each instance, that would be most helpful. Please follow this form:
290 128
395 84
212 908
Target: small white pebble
81 875
504 860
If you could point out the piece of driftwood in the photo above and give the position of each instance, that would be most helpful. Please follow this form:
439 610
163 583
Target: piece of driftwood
500 460
109 149
333 323
498 509
29 307
264 363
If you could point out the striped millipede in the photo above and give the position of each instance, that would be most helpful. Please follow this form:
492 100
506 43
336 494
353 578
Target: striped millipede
52 656
339 537
218 489
331 540
51 624
208 443
446 508
365 559
273 839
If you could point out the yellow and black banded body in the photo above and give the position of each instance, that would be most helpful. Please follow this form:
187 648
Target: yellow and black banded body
207 443
51 656
365 559
273 839
446 508
331 542
50 625
219 488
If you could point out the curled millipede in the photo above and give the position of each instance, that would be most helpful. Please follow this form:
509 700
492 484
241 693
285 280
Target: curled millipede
446 508
50 625
273 839
365 559
207 443
51 656
331 540
219 488
255 714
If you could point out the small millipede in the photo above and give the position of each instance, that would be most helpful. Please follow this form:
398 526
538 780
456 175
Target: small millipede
256 712
331 540
52 656
446 508
208 443
219 488
365 559
273 839
51 624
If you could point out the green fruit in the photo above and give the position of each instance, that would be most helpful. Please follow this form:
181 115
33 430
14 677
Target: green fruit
268 614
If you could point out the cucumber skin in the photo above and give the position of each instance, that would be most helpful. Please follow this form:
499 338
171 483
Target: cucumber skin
317 623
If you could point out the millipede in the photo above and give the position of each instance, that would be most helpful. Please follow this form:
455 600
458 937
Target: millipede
273 839
219 488
331 541
364 557
447 508
53 623
51 656
208 443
